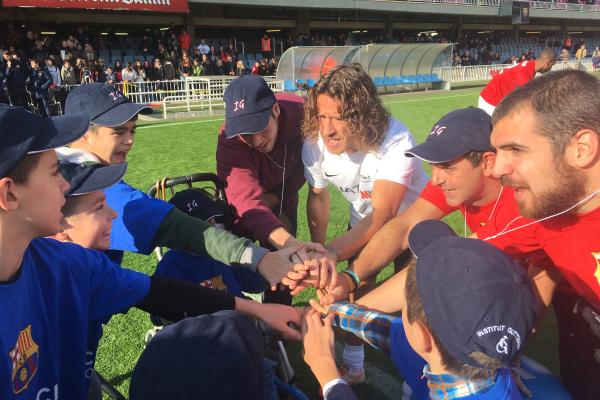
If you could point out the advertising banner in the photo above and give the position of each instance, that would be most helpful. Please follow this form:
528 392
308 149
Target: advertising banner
175 6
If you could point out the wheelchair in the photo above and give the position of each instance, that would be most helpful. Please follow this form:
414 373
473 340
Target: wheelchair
210 186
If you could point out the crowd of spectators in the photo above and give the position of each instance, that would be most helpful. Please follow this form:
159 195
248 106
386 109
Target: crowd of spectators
81 56
75 58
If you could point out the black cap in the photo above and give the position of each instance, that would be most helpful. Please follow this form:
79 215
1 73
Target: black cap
455 135
88 178
248 104
198 203
475 297
104 104
218 356
22 132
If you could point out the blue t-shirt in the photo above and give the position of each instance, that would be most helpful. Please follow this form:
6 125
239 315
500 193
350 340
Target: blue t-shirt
138 218
210 273
410 365
504 389
45 317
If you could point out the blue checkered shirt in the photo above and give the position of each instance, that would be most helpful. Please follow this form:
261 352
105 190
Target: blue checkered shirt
371 326
448 387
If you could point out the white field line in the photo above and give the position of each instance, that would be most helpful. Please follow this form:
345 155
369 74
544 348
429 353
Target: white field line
162 125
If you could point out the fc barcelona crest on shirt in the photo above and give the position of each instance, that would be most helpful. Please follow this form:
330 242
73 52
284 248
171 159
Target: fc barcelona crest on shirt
597 273
24 359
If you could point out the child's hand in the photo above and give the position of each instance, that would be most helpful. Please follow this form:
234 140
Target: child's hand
317 306
319 342
277 316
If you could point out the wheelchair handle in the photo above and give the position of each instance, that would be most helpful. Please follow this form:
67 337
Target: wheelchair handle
189 179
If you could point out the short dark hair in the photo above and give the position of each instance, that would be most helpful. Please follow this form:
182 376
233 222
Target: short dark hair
415 312
22 169
474 157
70 204
563 102
548 53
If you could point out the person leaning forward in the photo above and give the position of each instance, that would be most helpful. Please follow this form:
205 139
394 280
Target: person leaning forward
259 160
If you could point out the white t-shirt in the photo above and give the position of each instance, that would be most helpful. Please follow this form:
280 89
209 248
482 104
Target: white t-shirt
354 174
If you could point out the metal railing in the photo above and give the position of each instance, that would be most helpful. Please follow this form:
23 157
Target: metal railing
484 72
484 3
542 5
190 94
545 5
205 94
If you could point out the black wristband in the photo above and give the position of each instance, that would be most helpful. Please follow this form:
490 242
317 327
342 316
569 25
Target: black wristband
174 299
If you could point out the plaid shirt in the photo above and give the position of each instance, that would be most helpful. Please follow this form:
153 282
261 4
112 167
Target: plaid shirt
447 387
374 328
371 326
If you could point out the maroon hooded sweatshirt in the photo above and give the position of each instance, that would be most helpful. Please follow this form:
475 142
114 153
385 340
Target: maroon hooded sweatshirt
248 173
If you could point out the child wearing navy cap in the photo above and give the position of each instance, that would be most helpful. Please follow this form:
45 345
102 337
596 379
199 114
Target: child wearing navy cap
144 222
469 309
205 270
52 294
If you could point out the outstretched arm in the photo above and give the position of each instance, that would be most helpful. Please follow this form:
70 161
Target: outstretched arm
387 197
174 300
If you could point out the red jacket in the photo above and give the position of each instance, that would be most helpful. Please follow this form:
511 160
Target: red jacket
508 80
185 41
248 174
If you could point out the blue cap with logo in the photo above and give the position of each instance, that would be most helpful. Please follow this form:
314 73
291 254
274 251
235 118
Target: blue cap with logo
88 178
248 104
476 298
456 134
85 173
22 132
197 203
104 104
215 356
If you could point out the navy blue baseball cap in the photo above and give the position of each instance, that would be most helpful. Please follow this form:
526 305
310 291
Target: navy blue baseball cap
22 132
88 178
216 356
197 203
456 134
104 104
248 104
476 298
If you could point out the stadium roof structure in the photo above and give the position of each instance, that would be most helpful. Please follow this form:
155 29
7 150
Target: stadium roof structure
306 63
538 9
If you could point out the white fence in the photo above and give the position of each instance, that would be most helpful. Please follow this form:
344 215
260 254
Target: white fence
199 94
484 72
191 94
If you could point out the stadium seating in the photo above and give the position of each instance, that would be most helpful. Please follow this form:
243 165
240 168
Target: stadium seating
405 80
104 54
289 86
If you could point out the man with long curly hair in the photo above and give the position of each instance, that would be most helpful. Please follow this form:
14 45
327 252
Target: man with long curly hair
352 142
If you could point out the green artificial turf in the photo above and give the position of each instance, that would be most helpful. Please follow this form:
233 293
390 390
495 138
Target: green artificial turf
180 147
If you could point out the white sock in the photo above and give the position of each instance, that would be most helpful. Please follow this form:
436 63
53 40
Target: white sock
354 357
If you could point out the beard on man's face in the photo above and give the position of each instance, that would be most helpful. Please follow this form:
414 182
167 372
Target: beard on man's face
566 189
